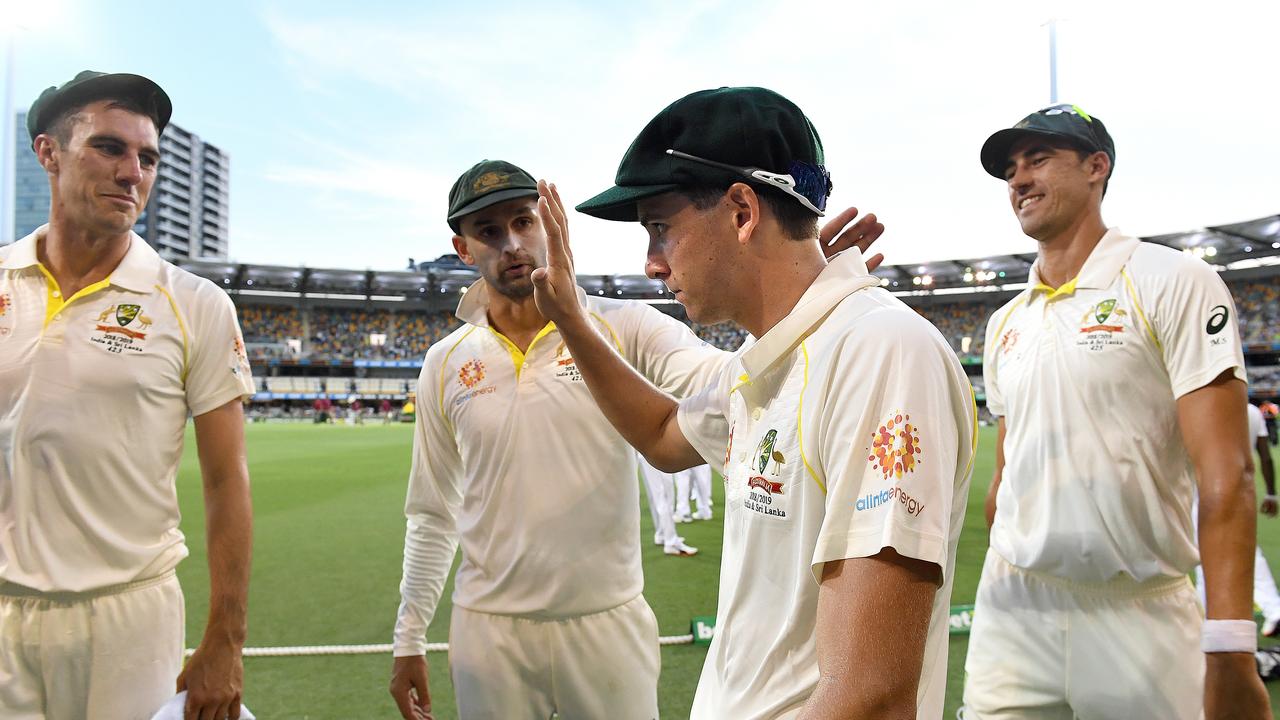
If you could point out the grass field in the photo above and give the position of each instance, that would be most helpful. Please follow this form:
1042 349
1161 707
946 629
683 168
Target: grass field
328 502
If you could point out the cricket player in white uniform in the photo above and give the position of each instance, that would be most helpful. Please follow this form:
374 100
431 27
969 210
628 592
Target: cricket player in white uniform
514 461
846 432
1118 382
694 482
660 488
105 350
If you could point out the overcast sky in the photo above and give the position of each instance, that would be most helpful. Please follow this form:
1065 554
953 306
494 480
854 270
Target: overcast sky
346 123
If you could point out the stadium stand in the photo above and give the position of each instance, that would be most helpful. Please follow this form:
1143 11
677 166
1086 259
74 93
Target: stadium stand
347 333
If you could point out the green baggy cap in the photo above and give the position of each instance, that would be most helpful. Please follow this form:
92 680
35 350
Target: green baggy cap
742 127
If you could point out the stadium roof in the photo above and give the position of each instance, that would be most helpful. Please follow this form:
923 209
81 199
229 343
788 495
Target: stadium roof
1251 243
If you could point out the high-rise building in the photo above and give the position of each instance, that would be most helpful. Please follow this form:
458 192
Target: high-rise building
186 216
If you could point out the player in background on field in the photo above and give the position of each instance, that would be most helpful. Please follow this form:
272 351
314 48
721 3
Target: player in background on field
846 432
695 481
660 488
514 462
1117 378
105 351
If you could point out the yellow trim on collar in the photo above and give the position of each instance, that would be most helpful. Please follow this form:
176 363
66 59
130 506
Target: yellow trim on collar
1067 288
54 301
517 357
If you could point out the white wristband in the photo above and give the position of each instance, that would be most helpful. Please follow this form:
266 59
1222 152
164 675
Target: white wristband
1272 498
1229 636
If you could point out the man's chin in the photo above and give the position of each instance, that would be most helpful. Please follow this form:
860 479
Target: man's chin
513 289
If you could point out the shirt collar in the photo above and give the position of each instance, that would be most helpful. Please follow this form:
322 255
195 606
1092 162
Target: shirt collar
473 308
844 275
137 271
1099 270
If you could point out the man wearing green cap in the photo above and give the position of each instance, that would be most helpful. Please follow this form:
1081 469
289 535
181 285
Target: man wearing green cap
514 462
105 350
846 432
1117 378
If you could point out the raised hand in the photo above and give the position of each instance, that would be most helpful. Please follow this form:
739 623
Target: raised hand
555 287
861 235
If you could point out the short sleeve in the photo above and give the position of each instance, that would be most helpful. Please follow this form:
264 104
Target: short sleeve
896 443
1196 324
666 351
990 362
704 417
217 366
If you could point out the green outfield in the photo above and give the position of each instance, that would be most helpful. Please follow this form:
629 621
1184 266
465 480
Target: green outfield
329 532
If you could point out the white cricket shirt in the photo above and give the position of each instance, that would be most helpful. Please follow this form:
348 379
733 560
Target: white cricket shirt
95 391
1257 426
847 428
513 459
1096 479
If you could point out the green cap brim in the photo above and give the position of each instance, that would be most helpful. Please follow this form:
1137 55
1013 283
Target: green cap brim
619 202
492 198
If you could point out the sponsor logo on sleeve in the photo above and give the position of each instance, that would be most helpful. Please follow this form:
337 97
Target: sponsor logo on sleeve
1008 340
470 375
895 452
1218 315
895 447
6 302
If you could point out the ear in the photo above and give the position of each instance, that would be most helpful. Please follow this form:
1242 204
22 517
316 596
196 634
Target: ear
1099 166
46 148
460 247
745 203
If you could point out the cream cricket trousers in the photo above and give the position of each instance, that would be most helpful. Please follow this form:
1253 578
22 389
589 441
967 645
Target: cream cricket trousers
111 654
603 665
1042 647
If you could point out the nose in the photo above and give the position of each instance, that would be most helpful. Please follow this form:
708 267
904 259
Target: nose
129 170
655 262
1019 181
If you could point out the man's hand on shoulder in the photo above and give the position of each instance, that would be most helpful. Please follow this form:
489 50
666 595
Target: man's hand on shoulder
860 235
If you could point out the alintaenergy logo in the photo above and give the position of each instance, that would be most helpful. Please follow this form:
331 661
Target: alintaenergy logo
874 500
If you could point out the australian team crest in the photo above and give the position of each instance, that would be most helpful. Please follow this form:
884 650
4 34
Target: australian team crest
1102 310
117 337
125 314
1101 326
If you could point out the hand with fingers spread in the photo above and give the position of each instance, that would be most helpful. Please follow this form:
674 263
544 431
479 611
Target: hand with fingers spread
861 235
409 687
555 288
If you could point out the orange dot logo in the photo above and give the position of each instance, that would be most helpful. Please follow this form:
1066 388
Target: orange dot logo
895 447
470 374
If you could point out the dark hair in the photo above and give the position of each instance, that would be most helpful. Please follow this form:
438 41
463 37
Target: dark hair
797 221
61 125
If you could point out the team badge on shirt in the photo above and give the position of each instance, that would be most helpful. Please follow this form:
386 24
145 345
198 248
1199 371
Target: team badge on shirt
1095 331
566 367
120 328
764 493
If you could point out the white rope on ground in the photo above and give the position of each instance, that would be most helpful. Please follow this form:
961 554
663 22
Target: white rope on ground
384 649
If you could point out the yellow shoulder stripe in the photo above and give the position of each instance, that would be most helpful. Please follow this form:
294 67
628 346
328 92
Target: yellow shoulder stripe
800 421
